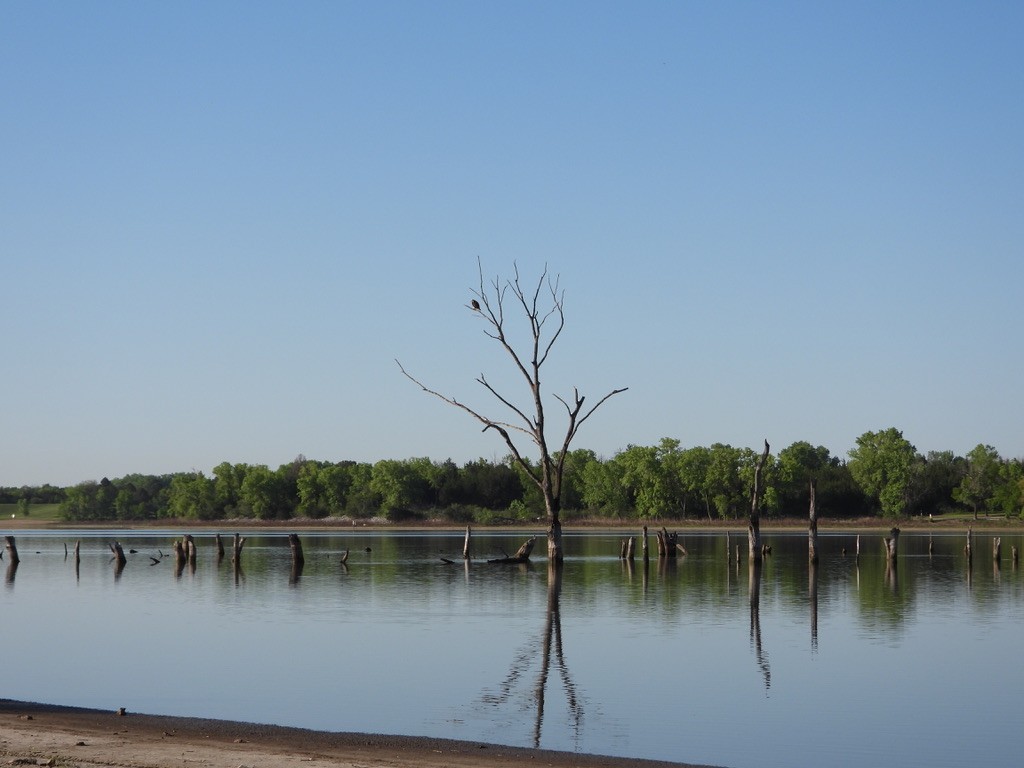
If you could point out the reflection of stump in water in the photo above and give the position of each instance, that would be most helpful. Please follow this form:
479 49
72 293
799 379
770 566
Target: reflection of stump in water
12 570
812 592
754 583
298 560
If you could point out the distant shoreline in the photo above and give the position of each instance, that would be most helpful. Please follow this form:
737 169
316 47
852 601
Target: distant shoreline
768 525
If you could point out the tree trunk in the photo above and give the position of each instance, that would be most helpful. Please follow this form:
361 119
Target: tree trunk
754 526
12 551
892 544
812 529
555 552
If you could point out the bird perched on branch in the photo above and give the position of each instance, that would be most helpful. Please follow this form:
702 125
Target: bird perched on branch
475 305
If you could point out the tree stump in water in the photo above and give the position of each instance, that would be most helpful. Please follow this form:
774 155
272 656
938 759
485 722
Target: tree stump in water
668 543
465 543
812 529
119 557
12 551
997 549
522 555
297 558
891 544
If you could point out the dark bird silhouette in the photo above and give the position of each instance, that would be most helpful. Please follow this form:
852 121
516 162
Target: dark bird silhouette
475 304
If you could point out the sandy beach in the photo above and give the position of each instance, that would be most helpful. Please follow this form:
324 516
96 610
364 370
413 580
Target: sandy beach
41 734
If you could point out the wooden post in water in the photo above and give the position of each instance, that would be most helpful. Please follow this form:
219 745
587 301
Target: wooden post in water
630 547
188 545
728 547
12 551
858 549
647 555
892 544
465 544
812 529
296 546
220 547
78 556
1013 555
931 546
298 560
968 550
119 557
997 549
237 544
754 526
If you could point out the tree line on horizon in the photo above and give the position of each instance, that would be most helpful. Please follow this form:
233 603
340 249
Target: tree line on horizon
884 475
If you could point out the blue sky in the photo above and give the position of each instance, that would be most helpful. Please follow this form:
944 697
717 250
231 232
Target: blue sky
220 223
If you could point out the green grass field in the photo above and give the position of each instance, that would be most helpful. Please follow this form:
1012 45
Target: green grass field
41 513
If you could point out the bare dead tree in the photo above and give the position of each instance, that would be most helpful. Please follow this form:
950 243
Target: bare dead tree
754 526
544 310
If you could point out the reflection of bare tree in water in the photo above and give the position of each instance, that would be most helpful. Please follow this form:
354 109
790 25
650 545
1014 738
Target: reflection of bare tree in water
755 622
812 589
551 640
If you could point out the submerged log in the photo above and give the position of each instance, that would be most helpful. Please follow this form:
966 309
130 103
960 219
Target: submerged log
522 555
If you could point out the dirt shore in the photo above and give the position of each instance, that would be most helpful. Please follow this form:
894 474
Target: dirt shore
41 734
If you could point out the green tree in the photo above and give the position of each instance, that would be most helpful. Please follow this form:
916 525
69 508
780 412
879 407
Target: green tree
881 464
1009 492
265 493
228 479
692 467
979 481
652 475
604 487
191 497
726 488
401 485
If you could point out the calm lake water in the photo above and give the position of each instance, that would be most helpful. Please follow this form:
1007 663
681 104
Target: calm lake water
853 665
